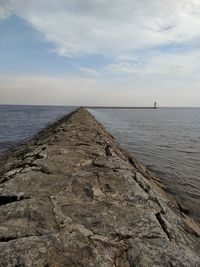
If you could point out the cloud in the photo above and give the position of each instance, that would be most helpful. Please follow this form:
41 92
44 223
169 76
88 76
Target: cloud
4 13
157 63
89 71
119 27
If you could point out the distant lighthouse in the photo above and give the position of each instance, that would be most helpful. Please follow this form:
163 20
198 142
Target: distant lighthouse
155 105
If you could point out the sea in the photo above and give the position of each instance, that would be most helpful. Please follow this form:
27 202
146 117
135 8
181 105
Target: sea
165 140
20 123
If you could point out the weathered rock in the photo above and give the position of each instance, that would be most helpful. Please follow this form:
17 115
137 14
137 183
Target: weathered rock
72 197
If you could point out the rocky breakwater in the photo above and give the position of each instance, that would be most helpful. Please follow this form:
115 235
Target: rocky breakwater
72 196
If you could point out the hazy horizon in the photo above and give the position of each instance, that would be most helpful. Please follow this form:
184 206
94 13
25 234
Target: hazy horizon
46 105
100 53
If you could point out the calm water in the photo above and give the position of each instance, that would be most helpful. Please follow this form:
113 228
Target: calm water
18 123
167 141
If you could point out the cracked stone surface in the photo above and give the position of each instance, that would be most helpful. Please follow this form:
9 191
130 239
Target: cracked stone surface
72 196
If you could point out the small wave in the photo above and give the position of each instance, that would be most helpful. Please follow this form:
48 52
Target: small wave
6 145
188 151
194 195
165 146
189 185
155 171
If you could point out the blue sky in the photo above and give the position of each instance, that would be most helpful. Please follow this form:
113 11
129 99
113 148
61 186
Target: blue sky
23 50
86 52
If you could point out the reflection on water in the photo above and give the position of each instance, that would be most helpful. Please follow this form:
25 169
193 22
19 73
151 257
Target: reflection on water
167 141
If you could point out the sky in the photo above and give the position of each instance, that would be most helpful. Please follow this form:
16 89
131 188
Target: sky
100 52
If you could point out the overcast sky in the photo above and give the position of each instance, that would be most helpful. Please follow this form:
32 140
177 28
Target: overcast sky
100 52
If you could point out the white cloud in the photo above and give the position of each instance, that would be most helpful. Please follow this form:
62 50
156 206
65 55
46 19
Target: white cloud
90 71
171 64
110 28
4 13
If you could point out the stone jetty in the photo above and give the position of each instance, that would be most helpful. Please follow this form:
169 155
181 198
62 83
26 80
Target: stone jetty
71 196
